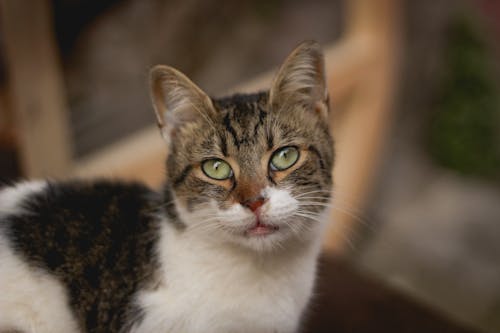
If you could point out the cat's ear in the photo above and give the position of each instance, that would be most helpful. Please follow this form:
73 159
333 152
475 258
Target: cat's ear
176 100
301 80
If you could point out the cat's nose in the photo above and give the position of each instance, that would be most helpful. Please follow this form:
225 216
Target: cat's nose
254 203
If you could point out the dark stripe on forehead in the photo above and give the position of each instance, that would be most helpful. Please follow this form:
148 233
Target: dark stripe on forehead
238 99
262 116
179 179
223 144
270 140
230 129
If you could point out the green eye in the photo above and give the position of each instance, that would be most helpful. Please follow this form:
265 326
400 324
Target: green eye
217 169
284 158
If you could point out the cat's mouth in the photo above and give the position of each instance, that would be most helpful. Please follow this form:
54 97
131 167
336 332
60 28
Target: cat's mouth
260 229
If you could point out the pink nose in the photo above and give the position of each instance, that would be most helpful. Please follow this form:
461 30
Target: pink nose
254 204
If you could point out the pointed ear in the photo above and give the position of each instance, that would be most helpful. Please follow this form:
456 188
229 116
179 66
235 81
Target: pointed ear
301 80
176 100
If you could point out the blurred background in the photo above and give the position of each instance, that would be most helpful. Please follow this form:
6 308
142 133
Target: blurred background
416 116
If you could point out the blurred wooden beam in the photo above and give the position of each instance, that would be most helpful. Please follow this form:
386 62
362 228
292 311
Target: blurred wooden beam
35 86
139 157
7 136
361 71
361 131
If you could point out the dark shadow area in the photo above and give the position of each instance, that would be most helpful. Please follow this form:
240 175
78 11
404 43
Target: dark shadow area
348 301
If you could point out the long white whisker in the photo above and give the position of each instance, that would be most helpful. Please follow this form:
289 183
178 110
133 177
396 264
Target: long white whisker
312 203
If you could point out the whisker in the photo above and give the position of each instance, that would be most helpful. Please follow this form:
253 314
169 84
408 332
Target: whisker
312 203
309 216
334 193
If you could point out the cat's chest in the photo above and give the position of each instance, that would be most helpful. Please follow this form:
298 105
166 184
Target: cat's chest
205 292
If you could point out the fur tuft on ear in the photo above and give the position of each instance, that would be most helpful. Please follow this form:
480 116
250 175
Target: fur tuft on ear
301 79
176 100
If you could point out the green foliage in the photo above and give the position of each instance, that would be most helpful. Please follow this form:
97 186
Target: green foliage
465 129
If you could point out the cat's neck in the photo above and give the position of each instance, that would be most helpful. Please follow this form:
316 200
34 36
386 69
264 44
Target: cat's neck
198 276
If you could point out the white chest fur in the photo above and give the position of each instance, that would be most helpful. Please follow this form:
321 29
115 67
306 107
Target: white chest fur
211 288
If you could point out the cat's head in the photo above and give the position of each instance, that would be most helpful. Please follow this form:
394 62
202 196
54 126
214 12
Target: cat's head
253 169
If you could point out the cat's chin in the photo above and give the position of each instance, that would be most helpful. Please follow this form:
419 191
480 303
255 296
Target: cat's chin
265 242
264 238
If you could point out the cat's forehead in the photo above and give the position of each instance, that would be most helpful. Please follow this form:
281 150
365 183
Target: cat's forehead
242 122
245 122
242 106
246 128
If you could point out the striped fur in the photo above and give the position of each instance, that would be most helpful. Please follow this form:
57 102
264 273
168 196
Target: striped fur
204 255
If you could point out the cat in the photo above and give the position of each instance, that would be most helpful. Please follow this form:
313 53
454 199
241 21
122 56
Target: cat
228 245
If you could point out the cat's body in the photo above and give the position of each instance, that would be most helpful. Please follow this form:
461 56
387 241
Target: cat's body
183 283
72 255
230 245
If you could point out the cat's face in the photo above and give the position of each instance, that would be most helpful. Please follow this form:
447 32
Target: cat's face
250 169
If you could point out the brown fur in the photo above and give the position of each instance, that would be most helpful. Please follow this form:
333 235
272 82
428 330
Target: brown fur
244 130
100 239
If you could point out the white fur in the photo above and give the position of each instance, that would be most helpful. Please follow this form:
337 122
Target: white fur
210 288
30 300
11 197
210 285
230 224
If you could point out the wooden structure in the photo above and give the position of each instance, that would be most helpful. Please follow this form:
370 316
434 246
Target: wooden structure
361 73
35 90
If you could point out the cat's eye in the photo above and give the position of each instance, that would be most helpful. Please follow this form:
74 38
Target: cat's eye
284 158
217 169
